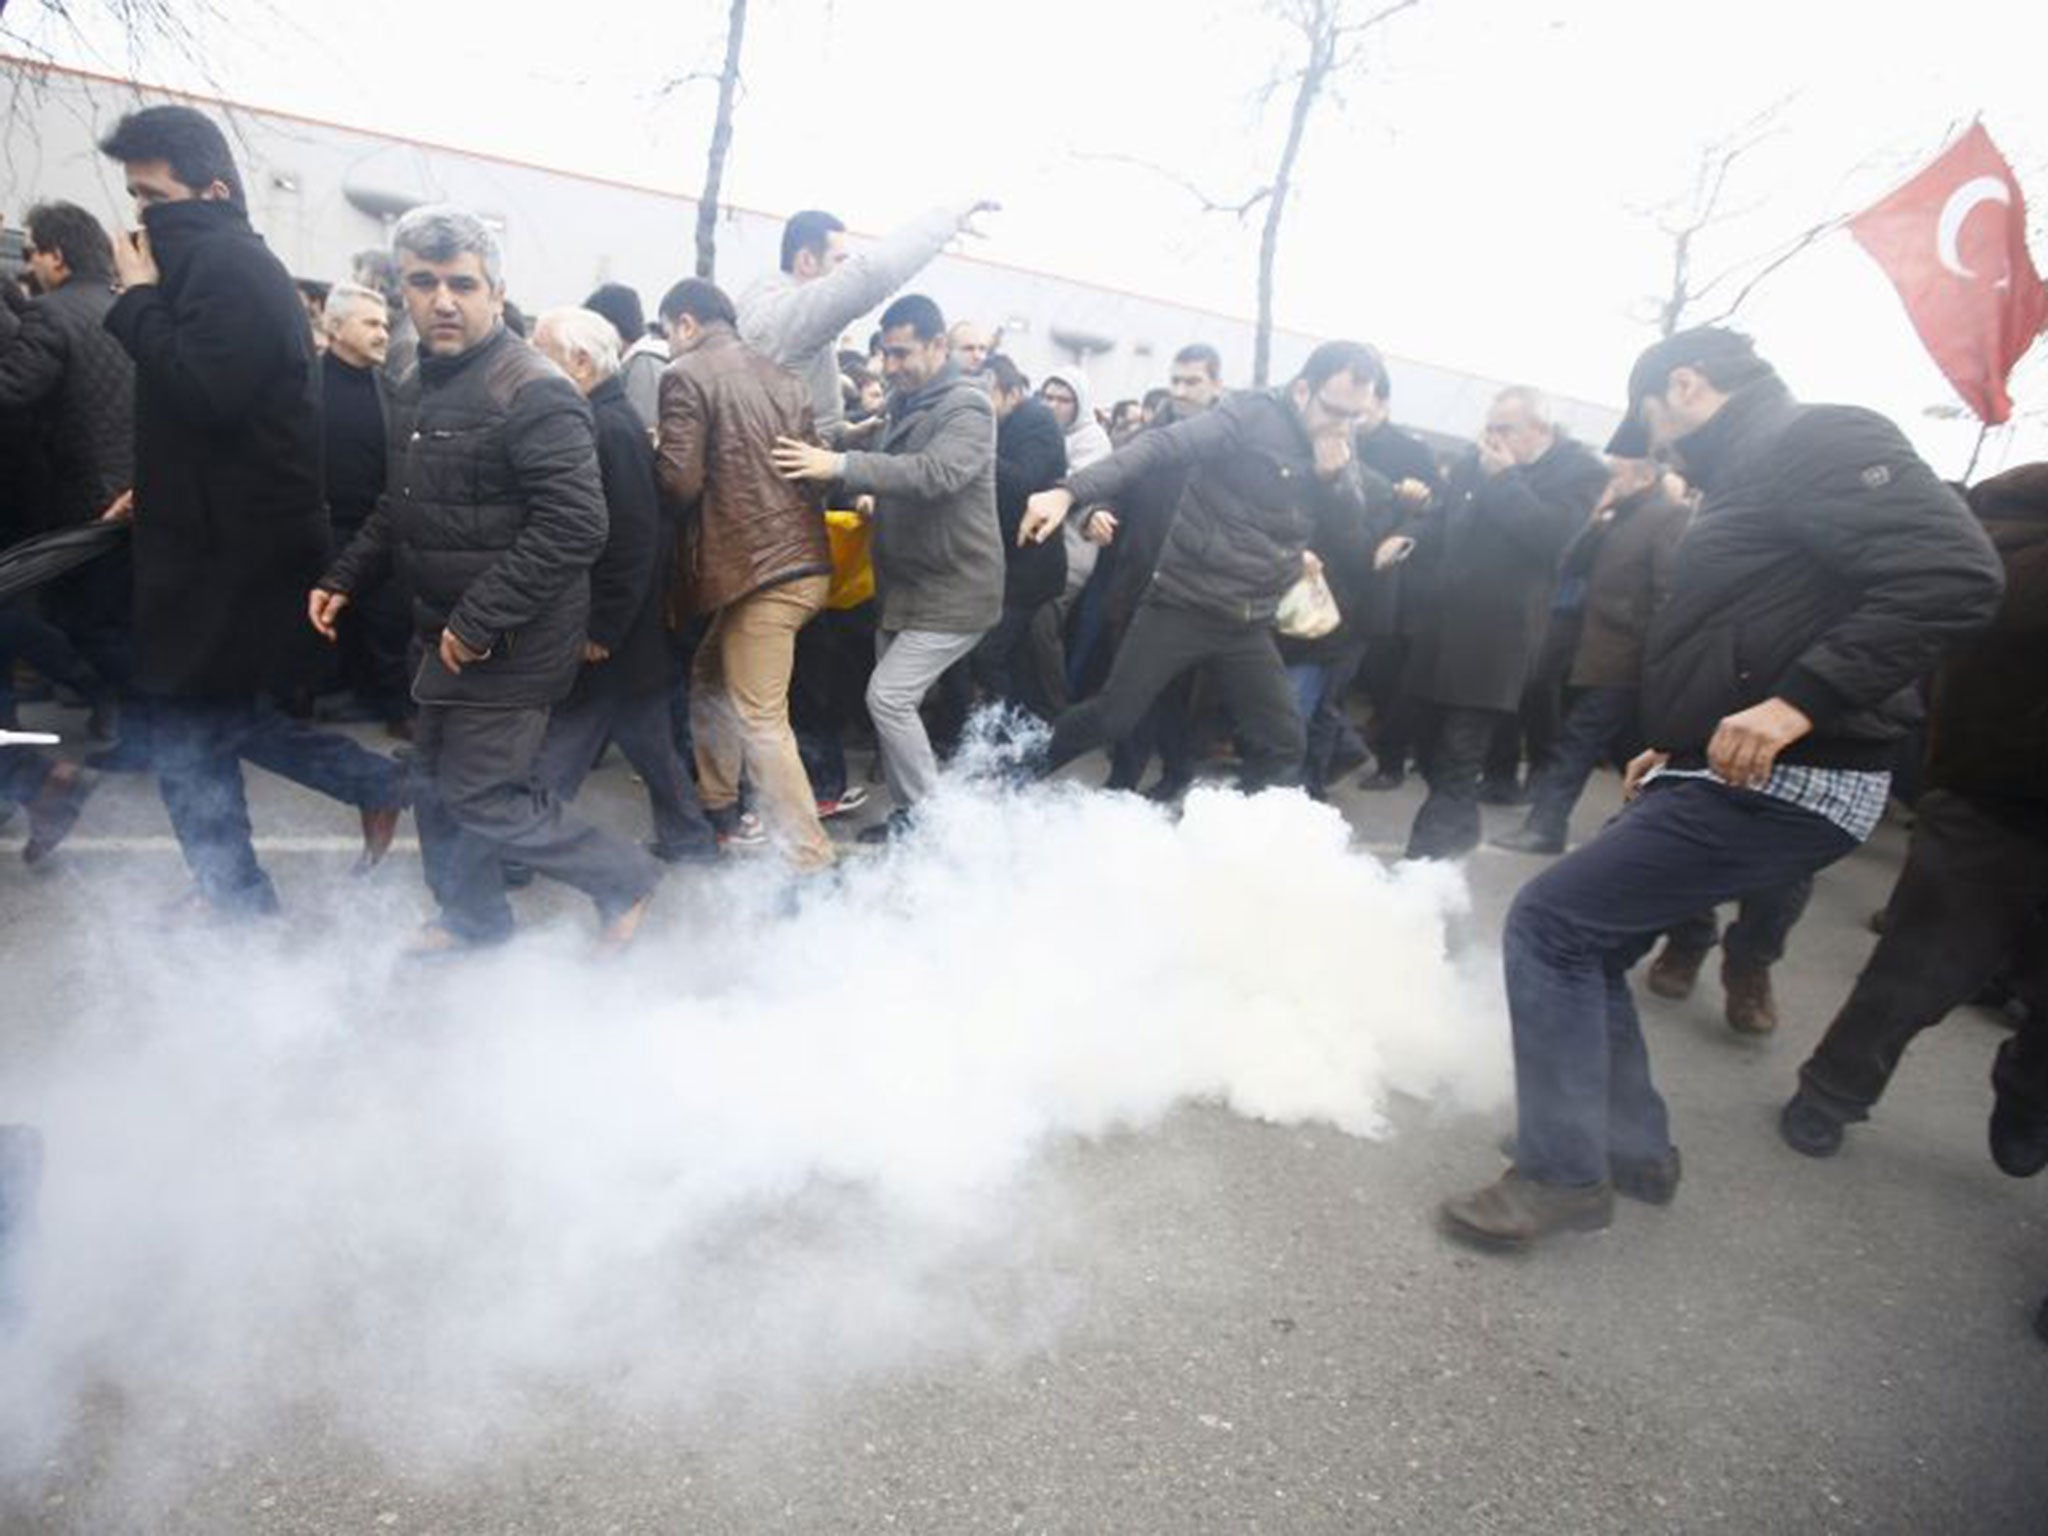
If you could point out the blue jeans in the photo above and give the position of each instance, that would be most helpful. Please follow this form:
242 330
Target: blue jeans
1599 719
1582 1073
200 747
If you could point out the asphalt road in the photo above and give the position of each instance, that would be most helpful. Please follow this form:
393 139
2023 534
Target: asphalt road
1222 1325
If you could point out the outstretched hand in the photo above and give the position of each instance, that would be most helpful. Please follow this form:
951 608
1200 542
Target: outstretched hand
1043 515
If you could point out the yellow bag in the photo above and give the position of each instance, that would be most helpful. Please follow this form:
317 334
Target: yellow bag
853 570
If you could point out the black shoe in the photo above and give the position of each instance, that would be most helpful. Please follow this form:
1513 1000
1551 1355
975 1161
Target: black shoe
2019 1130
896 827
1171 787
1808 1127
1502 792
1528 840
1652 1181
518 876
1383 779
684 854
1349 753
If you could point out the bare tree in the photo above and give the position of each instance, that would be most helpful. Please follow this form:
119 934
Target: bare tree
1331 40
727 79
721 141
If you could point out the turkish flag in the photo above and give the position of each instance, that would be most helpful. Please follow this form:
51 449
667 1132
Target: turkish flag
1953 240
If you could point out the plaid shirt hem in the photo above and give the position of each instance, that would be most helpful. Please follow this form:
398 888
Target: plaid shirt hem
1852 798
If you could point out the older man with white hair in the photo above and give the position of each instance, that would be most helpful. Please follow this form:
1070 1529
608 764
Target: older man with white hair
355 434
621 695
1484 562
495 514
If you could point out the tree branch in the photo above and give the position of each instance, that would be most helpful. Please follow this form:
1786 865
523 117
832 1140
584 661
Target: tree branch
1209 204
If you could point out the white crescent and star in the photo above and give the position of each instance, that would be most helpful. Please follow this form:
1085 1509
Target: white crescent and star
1979 189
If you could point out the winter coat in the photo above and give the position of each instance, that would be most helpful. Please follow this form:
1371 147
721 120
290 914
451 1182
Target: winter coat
494 516
798 324
1346 543
1031 456
1486 566
1087 443
1628 580
1396 456
630 579
75 386
938 549
230 528
1826 566
1247 508
1988 733
745 527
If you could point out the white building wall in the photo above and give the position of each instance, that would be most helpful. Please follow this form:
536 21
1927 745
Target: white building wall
310 184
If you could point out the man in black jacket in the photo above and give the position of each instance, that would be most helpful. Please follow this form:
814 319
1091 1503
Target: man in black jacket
1031 456
1972 901
1492 551
1262 464
355 432
69 390
494 517
1824 571
621 694
229 522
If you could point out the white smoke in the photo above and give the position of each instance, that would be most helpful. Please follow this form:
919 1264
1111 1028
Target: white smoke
782 1143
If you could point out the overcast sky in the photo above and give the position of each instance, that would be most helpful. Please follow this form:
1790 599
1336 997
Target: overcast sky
1477 197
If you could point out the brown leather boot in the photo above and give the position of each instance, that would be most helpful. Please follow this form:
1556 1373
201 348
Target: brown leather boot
1751 1008
380 826
1513 1212
1675 971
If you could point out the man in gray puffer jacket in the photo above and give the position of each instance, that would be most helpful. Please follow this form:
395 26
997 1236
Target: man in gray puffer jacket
494 516
938 547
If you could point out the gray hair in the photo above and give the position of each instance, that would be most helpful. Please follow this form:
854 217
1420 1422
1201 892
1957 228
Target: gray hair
1534 403
585 331
341 295
441 232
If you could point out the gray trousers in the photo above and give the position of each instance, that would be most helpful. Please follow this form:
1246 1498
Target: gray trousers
639 724
907 663
479 800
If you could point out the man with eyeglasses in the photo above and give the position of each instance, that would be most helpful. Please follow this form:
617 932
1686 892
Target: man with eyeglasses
1262 464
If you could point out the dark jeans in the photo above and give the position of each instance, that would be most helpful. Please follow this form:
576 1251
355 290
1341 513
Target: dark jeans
577 734
1582 1073
1601 723
1763 925
27 636
1392 732
1540 716
1447 826
200 747
22 771
480 800
1327 723
1167 728
374 643
1165 641
1971 902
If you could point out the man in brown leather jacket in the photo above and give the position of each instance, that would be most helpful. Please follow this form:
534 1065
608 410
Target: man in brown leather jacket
757 562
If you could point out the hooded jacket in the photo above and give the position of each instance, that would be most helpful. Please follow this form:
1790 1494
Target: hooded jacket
494 514
1246 509
938 550
230 525
722 406
1087 443
1826 566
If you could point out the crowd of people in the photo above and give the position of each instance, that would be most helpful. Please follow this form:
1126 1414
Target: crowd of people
731 548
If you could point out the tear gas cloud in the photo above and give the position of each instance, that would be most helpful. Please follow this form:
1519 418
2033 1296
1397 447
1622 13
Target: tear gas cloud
777 1147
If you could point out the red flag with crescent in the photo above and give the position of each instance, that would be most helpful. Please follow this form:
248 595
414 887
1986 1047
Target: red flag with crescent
1953 240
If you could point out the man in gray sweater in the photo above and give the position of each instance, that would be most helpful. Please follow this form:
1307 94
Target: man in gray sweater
938 549
794 317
